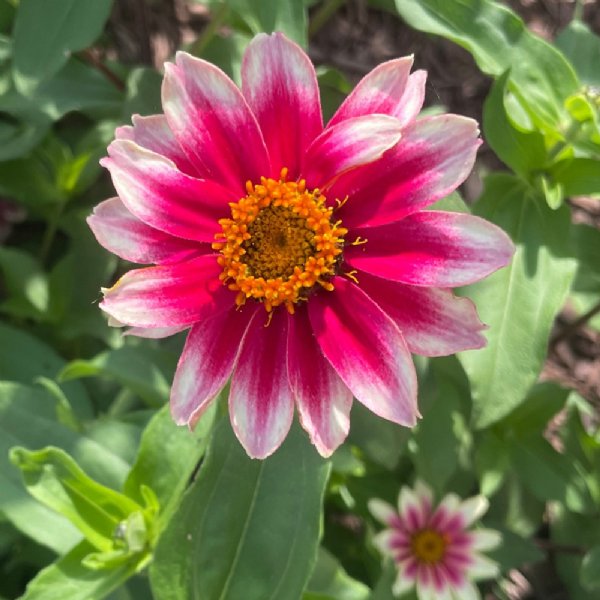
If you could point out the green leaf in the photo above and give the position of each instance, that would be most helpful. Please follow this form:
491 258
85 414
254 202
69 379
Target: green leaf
261 519
590 569
68 578
42 361
55 479
133 367
520 302
515 551
522 151
167 458
582 47
438 437
46 32
578 176
25 284
549 475
329 581
382 441
28 418
287 16
572 529
499 40
143 93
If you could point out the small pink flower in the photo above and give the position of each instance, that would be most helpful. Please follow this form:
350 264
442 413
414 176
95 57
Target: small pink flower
300 256
432 546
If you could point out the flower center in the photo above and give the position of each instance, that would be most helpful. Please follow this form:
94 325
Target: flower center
279 243
429 546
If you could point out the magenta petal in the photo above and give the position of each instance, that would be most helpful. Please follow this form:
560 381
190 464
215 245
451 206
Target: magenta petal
260 401
280 85
432 248
156 192
125 235
383 91
153 133
433 321
206 363
432 159
367 350
322 399
213 123
347 145
170 295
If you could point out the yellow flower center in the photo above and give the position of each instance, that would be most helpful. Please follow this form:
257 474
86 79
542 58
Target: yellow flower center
279 243
429 546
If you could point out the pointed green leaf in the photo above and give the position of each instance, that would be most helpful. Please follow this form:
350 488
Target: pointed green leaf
261 519
46 32
519 302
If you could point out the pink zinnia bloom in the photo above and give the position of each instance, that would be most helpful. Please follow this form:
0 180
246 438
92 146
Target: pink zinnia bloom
299 255
432 546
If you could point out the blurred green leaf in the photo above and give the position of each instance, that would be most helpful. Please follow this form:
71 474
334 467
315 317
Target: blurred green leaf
143 93
261 518
287 16
69 579
134 367
498 39
28 418
575 530
522 151
582 47
329 581
578 176
167 458
590 569
56 480
519 302
42 361
25 284
515 551
382 441
46 32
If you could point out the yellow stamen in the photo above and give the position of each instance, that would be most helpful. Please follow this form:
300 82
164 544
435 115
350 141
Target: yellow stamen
359 241
352 275
279 243
429 546
340 203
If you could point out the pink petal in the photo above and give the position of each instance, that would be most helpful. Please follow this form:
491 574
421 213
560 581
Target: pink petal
213 123
126 236
432 248
206 362
347 145
153 133
280 85
261 406
154 333
156 192
433 321
170 295
367 350
386 90
323 400
432 159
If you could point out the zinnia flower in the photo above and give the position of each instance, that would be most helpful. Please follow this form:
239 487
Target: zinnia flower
299 255
433 547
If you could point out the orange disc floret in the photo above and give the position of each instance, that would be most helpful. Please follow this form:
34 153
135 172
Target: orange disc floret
279 243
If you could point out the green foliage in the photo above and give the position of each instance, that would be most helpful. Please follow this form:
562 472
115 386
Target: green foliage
264 529
103 496
520 302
